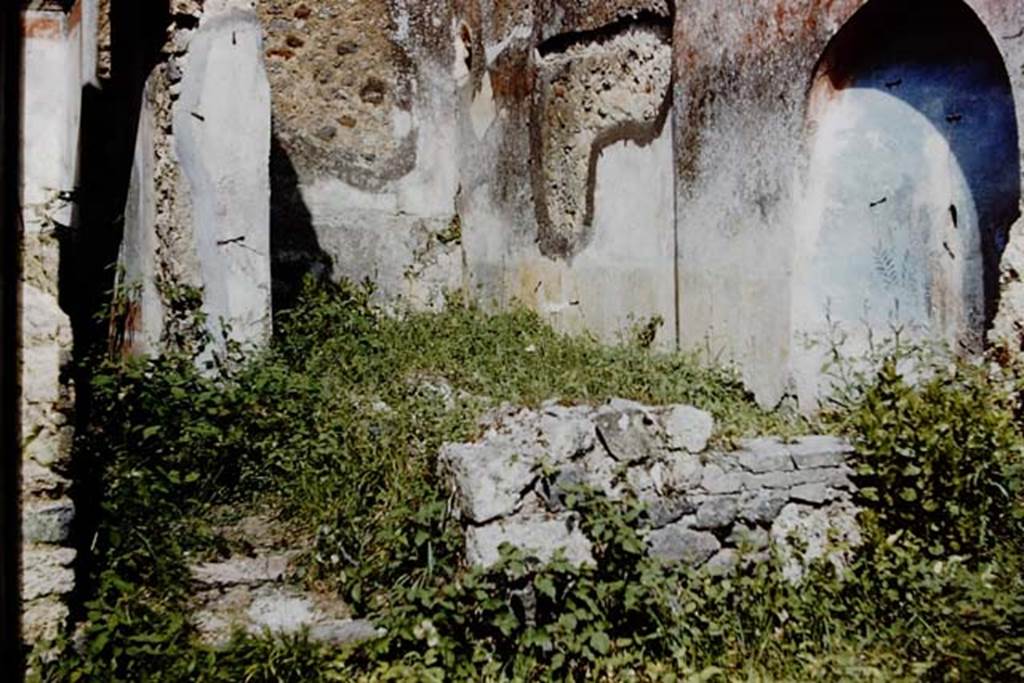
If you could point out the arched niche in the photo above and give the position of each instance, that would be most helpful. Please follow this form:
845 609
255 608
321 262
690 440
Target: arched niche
912 182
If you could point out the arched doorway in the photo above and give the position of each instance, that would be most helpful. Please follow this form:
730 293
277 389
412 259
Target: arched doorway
912 184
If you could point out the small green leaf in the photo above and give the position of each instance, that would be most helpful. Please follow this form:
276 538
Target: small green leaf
600 643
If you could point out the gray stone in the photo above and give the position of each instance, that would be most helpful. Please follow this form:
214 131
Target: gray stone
630 435
768 446
830 532
43 322
43 619
664 511
777 480
490 477
47 521
815 494
812 452
642 483
603 473
566 434
839 477
46 570
50 445
553 493
833 476
716 512
37 480
691 500
243 570
687 428
345 631
40 375
279 610
748 538
685 471
761 506
723 563
678 542
716 480
660 476
764 455
623 405
538 535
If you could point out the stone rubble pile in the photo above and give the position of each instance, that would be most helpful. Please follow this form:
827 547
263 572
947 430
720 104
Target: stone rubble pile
704 507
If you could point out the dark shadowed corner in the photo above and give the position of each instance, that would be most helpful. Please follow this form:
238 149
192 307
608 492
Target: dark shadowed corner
294 247
89 248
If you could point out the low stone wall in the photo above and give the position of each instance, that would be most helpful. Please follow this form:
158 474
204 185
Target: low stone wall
705 508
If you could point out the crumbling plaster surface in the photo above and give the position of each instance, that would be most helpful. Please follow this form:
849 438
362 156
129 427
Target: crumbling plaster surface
198 207
565 163
912 186
742 161
410 150
520 149
158 249
364 120
589 96
141 249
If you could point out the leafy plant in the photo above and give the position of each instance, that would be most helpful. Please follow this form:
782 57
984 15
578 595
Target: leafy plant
337 426
942 459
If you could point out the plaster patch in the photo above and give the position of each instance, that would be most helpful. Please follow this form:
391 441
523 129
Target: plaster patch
483 112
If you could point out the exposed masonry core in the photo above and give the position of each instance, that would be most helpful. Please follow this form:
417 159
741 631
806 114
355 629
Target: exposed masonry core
343 88
51 111
592 90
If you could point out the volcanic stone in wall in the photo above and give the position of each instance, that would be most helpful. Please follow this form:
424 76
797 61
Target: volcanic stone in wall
343 89
703 508
592 90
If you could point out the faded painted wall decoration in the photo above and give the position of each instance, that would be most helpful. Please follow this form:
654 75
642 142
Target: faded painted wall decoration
913 183
565 162
828 163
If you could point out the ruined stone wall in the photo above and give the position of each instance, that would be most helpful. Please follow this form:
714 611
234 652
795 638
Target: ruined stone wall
146 132
56 65
745 173
363 158
566 162
701 508
517 151
610 162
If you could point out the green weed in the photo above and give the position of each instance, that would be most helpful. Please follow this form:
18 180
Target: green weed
338 426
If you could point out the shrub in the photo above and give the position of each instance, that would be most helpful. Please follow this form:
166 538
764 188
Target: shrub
942 459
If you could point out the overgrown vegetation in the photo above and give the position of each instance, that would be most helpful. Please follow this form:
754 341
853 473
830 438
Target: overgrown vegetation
338 426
